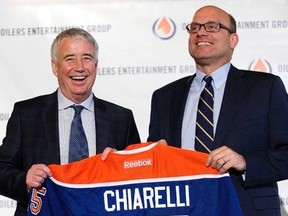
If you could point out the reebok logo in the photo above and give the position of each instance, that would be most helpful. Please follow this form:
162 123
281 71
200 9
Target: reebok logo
138 163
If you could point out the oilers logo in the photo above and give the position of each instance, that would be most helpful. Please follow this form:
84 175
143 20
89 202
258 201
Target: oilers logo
260 65
164 28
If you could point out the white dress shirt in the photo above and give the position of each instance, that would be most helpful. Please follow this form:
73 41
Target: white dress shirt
66 114
189 120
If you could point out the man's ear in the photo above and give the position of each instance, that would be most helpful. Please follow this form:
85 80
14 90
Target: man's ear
234 38
54 68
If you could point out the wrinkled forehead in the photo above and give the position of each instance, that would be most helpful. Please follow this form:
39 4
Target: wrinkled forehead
211 14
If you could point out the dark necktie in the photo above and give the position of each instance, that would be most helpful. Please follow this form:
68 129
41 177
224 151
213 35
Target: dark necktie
78 145
204 122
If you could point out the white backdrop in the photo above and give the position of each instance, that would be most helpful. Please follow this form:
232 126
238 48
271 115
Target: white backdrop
143 45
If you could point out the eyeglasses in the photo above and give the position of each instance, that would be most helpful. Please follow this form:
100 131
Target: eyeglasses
209 27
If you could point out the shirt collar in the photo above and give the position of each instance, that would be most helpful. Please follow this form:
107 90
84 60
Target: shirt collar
219 76
64 102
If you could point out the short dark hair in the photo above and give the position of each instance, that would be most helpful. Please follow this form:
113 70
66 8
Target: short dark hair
233 23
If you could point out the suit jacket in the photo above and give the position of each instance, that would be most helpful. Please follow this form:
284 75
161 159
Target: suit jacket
32 138
253 121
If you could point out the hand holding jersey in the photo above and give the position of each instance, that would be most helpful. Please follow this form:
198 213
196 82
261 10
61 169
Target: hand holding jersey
224 158
37 174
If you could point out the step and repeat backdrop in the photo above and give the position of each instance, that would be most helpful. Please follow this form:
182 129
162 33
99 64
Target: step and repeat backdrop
143 46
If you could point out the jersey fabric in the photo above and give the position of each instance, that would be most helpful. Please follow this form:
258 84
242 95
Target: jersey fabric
146 179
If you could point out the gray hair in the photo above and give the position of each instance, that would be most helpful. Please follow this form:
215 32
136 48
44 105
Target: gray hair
73 33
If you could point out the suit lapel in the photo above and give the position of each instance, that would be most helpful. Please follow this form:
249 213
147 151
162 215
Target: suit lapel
102 125
50 124
232 96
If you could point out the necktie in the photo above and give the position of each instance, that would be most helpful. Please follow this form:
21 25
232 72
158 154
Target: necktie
78 145
204 121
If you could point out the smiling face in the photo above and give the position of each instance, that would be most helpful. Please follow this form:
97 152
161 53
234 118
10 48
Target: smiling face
211 50
75 67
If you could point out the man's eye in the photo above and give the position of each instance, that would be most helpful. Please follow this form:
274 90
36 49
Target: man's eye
195 27
69 59
87 58
211 27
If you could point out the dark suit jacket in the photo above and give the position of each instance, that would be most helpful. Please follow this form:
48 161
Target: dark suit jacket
253 121
32 138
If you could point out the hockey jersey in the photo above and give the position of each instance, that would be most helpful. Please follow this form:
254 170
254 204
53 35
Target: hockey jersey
146 179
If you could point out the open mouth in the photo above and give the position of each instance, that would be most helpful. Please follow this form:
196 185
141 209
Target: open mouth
203 43
78 78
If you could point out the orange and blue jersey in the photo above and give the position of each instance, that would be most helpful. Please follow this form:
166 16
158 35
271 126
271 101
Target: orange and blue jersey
144 179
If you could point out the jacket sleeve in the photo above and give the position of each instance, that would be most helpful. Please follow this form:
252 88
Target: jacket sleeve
12 178
271 165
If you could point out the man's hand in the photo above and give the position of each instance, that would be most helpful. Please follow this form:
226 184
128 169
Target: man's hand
162 141
224 158
36 175
106 152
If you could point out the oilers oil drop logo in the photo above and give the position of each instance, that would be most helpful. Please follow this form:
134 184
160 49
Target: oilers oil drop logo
260 65
164 28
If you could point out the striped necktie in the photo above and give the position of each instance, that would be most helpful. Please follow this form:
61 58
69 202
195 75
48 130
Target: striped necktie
204 136
78 145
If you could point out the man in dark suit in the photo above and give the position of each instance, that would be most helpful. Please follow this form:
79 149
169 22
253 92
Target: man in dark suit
250 137
38 130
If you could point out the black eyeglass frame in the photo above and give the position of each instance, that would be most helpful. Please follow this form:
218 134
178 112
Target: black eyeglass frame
188 27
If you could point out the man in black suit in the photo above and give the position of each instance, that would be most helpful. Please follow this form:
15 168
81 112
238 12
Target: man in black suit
38 131
250 114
